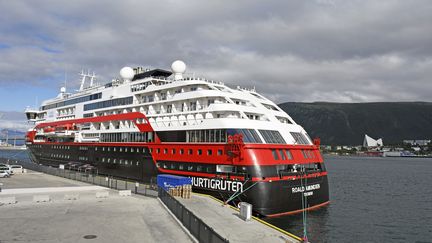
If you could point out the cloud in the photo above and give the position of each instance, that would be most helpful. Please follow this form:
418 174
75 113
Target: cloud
312 50
13 121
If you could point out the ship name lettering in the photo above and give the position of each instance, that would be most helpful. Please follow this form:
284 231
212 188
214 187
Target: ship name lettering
308 188
217 184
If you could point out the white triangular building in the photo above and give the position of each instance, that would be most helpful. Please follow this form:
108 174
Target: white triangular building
370 142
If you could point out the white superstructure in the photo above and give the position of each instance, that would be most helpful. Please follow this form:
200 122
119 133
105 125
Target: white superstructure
170 104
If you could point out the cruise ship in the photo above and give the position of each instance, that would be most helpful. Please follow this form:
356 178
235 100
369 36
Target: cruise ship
233 142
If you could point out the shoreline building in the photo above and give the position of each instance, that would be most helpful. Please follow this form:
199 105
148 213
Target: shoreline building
370 142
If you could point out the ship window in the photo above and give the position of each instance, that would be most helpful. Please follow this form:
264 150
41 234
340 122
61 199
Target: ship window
121 149
192 106
209 152
282 154
158 150
225 169
199 151
173 151
132 150
249 135
275 154
190 167
199 168
190 151
271 136
165 151
126 149
121 161
219 152
311 154
181 167
95 148
181 151
173 166
288 153
137 163
300 138
114 161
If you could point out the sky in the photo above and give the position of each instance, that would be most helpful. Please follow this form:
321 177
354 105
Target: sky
293 50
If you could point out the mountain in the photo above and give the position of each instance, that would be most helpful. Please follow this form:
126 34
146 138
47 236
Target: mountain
347 123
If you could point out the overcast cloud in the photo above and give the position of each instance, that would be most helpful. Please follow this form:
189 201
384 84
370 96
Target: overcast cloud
305 50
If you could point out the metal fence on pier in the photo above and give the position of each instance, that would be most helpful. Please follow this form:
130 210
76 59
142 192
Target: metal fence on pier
200 230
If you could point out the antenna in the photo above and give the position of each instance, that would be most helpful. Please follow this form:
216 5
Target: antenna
82 80
92 78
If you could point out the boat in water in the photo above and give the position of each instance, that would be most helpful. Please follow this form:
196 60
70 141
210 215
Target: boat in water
234 143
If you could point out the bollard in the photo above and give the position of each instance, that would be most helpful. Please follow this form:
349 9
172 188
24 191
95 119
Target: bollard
245 211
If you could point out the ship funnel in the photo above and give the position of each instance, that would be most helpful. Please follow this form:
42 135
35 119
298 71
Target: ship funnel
178 68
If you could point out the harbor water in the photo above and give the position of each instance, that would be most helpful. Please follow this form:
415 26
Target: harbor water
373 199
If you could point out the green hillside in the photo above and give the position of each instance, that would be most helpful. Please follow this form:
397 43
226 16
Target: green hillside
346 123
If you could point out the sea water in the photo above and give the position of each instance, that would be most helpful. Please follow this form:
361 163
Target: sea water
372 199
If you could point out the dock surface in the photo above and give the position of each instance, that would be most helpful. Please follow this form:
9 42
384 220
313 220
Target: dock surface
226 221
86 219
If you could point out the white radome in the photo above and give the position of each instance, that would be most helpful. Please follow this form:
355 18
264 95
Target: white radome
63 89
178 66
127 73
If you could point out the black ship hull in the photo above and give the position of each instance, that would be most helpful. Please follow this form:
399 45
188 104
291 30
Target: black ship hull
276 198
269 198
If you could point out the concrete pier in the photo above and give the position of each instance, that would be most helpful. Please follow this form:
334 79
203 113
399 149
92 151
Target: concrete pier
87 218
49 208
227 222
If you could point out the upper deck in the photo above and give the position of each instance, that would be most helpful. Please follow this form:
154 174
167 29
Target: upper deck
171 104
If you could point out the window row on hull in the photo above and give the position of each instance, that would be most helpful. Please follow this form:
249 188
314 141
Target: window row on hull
109 103
127 137
188 136
73 101
214 136
247 171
